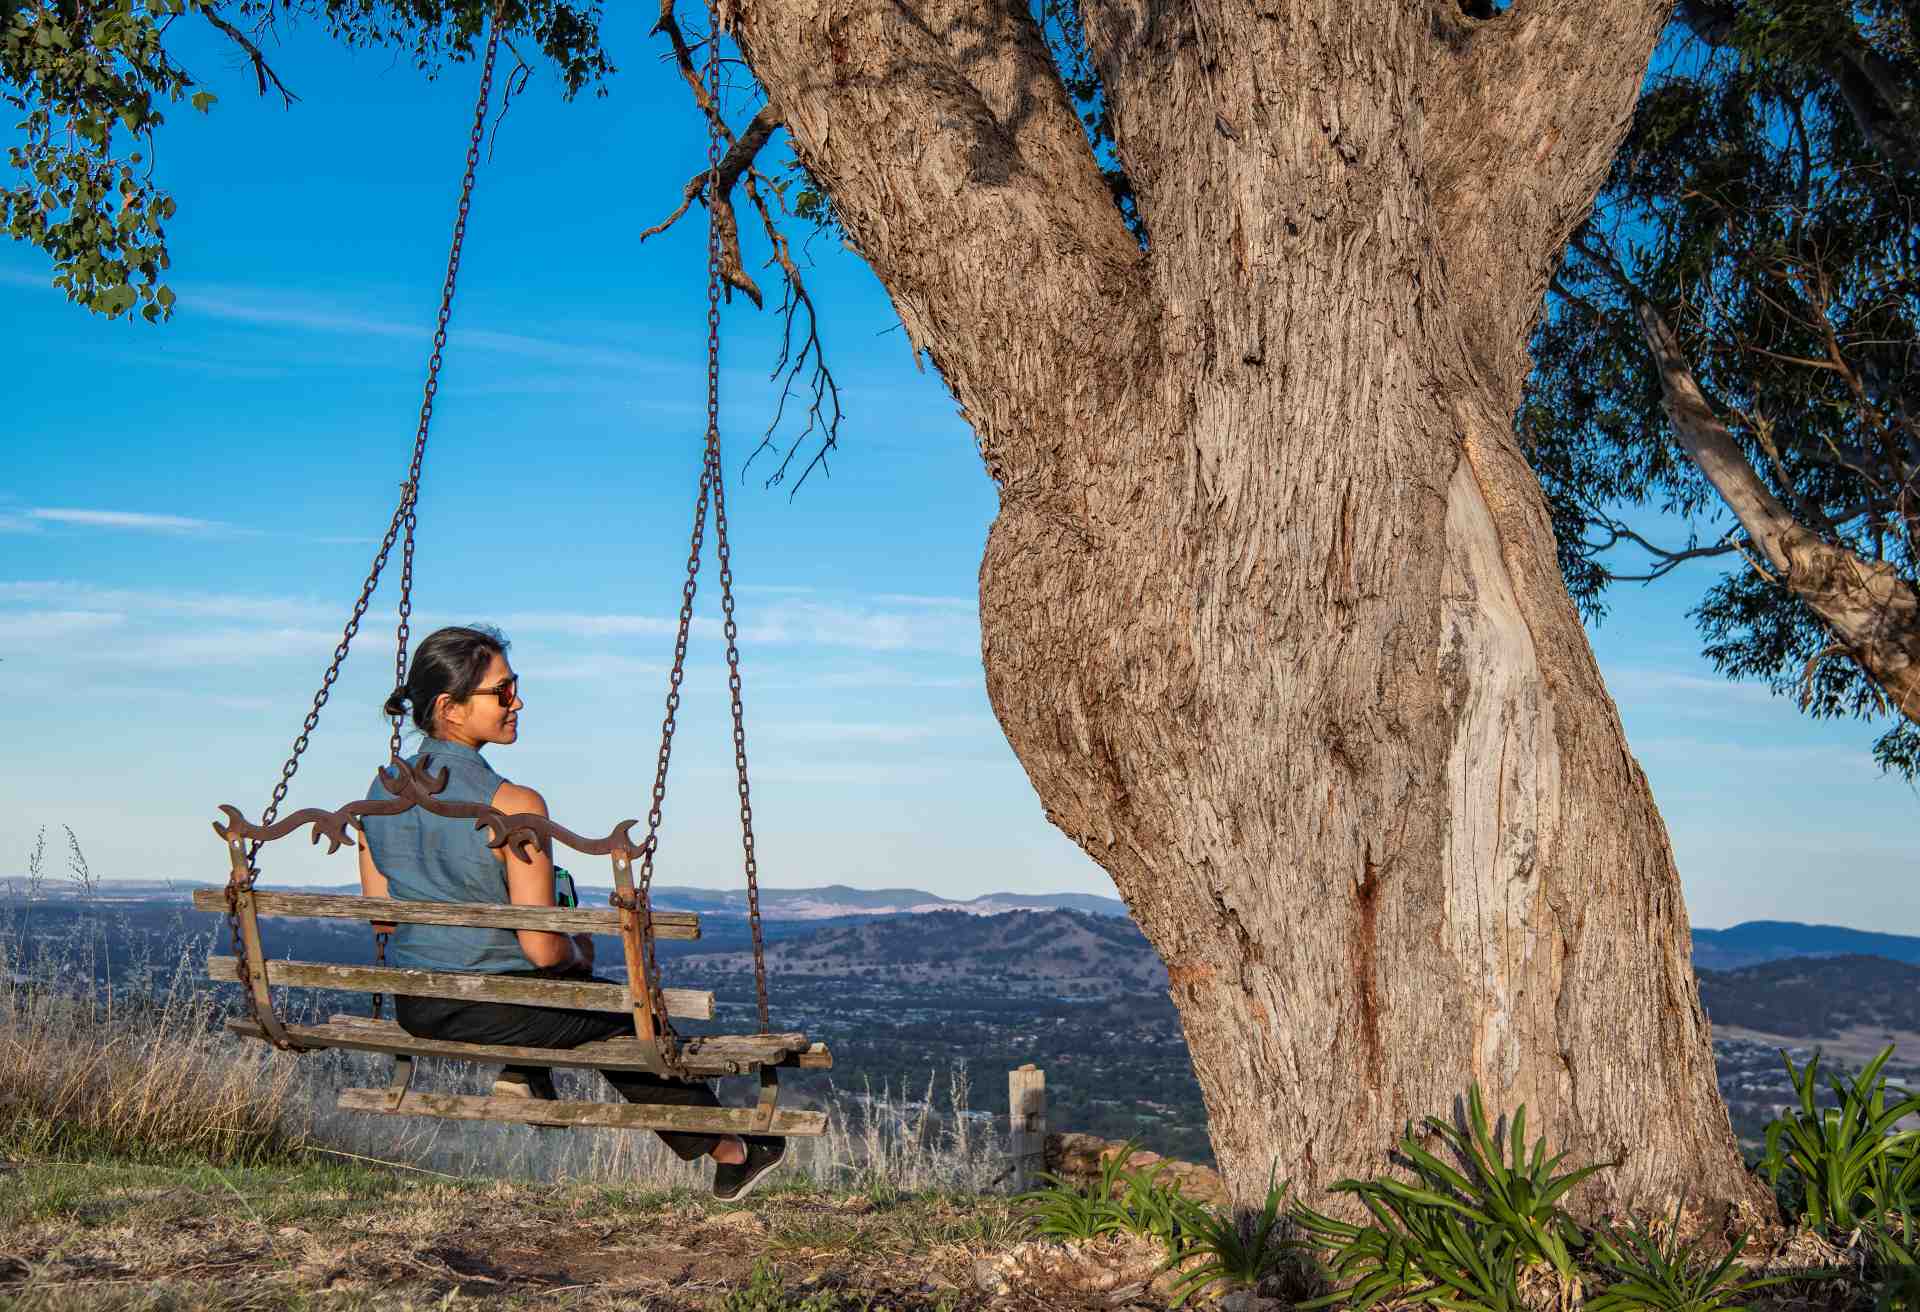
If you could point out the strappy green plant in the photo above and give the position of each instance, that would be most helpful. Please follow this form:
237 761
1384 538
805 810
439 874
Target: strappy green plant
1446 1238
1893 1242
1519 1194
1158 1209
1241 1254
1415 1252
1369 1264
1842 1156
1671 1274
1060 1209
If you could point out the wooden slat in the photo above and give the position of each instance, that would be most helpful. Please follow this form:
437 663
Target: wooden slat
620 1116
484 915
755 1047
705 1057
464 986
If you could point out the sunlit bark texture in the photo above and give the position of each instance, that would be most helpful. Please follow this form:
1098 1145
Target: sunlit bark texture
1271 611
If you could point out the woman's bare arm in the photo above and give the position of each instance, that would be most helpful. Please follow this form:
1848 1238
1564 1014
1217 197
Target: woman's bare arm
372 882
530 884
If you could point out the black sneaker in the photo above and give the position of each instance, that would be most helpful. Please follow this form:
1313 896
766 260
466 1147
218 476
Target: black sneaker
764 1152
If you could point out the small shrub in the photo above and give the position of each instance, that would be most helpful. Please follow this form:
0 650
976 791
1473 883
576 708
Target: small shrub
1232 1252
1447 1238
1893 1243
1157 1209
1062 1210
1415 1252
1841 1157
1671 1275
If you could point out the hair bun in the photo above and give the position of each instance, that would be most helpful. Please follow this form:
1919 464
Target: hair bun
397 702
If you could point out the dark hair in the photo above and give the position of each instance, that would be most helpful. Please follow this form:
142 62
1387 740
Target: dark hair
450 661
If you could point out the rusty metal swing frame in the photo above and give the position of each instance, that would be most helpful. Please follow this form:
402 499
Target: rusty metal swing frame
655 1047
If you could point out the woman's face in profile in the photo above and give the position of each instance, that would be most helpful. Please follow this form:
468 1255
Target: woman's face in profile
492 713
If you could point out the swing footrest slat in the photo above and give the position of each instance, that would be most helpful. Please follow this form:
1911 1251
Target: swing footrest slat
705 1057
465 986
621 1116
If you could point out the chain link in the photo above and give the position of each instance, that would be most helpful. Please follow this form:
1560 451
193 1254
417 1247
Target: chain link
403 522
712 491
715 475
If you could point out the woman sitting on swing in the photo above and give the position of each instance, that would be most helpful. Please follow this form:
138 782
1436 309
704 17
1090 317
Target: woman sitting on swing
463 695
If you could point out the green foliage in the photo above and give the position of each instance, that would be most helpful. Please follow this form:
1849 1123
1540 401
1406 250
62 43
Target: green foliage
1671 1275
1447 1238
1763 202
1240 1254
92 87
94 83
1845 1160
1893 1241
1062 1210
1157 1209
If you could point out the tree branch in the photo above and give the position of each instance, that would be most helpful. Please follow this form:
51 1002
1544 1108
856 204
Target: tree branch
262 71
1539 98
956 164
1867 606
737 160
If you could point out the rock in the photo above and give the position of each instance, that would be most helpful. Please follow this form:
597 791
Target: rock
988 1275
1245 1300
1113 1270
1079 1157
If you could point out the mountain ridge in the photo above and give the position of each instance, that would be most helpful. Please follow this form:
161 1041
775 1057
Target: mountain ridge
1748 943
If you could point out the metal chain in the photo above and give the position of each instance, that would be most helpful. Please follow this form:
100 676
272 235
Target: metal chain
649 962
715 473
404 520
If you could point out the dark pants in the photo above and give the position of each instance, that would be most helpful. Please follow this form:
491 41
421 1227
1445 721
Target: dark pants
556 1027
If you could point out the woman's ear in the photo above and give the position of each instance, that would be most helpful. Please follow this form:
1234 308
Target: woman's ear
447 711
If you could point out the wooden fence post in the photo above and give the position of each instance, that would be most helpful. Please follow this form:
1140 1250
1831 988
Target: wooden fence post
1027 1120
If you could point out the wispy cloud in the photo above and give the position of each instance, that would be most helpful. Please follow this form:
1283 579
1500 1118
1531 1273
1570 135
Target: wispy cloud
132 520
1659 684
19 627
883 734
786 622
12 523
186 605
279 310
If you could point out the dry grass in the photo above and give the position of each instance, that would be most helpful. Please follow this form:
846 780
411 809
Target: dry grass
303 1236
137 1068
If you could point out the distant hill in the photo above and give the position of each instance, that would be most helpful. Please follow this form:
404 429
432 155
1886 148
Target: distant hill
1815 997
1049 953
1756 941
827 902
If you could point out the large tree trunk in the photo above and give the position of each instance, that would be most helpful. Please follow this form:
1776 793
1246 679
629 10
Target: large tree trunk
1271 612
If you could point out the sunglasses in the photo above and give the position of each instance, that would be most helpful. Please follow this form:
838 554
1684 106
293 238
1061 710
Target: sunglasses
505 691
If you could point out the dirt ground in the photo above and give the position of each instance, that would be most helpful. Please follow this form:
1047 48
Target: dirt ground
96 1237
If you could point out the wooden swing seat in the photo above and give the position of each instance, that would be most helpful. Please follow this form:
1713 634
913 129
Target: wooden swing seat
697 1057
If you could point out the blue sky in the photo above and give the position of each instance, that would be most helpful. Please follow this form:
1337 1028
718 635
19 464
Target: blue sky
186 513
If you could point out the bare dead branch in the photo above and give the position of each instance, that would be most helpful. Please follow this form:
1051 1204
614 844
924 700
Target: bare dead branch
516 82
801 353
738 159
262 71
823 406
689 72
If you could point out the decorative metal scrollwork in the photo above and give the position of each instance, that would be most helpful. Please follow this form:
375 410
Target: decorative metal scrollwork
420 786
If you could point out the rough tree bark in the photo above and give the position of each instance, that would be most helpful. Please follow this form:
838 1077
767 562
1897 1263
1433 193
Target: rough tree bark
1270 610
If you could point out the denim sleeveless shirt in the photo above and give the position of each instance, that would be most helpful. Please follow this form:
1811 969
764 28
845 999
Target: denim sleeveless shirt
433 858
